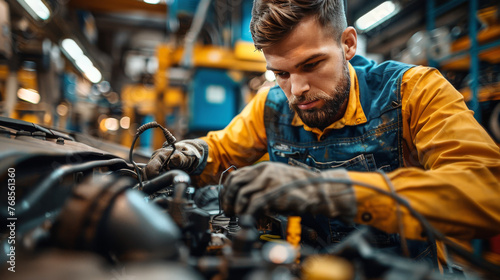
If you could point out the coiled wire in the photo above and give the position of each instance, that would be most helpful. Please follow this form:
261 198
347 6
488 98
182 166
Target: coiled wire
168 136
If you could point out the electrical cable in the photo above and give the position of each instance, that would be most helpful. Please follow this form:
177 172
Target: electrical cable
404 244
167 160
220 221
431 233
220 183
168 136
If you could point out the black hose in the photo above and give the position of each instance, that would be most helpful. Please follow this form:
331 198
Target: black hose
162 181
51 181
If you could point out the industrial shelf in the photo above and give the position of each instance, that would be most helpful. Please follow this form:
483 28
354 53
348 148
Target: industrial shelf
467 52
486 92
461 61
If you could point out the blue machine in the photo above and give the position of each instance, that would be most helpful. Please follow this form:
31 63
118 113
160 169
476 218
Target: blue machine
213 100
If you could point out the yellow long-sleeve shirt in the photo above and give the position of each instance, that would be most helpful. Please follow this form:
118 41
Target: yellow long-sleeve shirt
452 166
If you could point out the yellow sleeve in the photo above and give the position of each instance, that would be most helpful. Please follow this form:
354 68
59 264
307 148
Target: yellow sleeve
241 143
452 166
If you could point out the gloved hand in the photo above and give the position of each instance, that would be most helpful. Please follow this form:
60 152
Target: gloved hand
266 187
189 156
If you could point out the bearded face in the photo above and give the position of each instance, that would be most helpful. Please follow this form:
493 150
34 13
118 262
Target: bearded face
322 117
312 69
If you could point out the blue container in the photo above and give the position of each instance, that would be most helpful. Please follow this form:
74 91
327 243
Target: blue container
213 100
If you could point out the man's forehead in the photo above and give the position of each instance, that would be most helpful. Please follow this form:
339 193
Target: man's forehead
278 64
296 55
305 40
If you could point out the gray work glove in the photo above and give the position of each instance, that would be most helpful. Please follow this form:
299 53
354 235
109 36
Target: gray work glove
266 187
190 156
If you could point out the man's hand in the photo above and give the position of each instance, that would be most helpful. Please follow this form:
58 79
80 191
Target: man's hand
189 156
278 187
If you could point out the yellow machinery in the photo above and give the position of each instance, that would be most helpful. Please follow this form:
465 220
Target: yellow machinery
163 99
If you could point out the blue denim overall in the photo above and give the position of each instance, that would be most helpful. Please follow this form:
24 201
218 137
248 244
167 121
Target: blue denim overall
374 145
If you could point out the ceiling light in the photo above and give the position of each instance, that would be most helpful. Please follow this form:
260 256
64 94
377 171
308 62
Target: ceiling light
29 95
82 62
72 48
154 2
93 74
36 8
378 15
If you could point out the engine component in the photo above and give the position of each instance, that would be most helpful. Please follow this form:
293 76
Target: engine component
105 215
78 205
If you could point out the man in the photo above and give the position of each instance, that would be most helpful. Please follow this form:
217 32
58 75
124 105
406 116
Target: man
343 118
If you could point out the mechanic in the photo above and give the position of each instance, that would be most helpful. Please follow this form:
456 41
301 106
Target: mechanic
339 116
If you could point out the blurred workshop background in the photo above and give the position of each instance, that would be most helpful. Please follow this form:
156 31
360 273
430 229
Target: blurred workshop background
105 67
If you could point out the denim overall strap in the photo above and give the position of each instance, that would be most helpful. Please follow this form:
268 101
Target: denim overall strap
374 145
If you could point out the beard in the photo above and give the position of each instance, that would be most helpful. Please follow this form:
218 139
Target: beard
326 115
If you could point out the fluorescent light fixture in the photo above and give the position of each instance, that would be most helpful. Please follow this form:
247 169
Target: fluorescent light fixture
82 62
72 48
93 74
29 95
36 8
378 15
153 2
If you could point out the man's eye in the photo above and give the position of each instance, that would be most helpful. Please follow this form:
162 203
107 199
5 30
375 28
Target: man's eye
311 66
281 74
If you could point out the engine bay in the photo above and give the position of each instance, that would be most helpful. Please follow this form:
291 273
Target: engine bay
75 207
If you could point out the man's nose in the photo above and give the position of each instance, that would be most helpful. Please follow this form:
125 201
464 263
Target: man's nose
298 84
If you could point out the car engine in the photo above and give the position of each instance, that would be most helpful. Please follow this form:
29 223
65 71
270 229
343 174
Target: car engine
74 207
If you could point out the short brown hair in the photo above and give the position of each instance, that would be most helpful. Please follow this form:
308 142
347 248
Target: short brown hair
272 20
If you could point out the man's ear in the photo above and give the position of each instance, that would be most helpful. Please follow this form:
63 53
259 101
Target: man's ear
349 42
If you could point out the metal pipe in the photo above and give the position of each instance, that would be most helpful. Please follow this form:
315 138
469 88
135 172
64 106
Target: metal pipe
194 31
